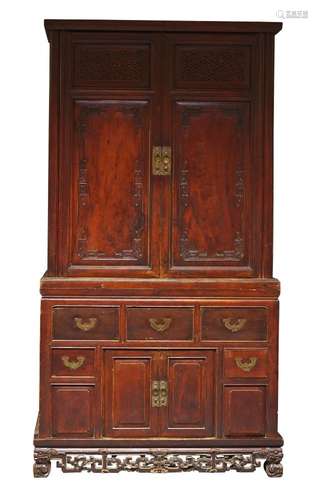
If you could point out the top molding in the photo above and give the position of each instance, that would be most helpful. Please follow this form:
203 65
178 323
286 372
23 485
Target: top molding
181 26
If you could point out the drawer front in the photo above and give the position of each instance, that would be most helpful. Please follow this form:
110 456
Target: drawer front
245 363
159 323
233 323
86 323
73 362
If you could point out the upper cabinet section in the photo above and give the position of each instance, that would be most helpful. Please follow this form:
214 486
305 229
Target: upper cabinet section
161 149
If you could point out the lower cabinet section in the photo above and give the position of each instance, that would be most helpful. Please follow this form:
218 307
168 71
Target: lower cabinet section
159 393
172 394
244 411
73 411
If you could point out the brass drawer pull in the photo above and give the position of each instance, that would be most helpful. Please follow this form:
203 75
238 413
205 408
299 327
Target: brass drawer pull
159 393
233 324
246 364
73 364
85 326
160 324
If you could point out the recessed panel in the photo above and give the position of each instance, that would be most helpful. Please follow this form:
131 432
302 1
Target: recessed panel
110 65
211 185
111 182
206 66
244 411
73 411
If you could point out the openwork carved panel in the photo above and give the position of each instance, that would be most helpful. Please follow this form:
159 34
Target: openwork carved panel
103 461
112 66
111 185
209 66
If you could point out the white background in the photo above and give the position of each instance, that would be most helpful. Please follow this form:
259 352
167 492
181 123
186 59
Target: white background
23 179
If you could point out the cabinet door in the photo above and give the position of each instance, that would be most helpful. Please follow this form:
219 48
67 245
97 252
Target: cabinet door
190 407
216 184
73 410
128 379
244 411
110 111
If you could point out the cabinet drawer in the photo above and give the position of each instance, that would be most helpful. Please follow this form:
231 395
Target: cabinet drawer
233 323
245 363
85 323
73 362
159 323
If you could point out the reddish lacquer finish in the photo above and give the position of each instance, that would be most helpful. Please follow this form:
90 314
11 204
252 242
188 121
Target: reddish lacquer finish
160 283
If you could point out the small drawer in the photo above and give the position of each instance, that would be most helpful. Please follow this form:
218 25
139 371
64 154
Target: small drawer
85 323
159 323
73 362
245 363
234 323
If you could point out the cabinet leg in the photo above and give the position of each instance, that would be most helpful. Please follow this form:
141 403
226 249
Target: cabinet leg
42 464
272 465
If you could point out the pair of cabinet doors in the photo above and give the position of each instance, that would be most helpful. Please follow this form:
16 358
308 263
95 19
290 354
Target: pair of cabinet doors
159 393
160 155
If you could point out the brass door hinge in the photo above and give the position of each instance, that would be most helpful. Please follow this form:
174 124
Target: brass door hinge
161 160
159 393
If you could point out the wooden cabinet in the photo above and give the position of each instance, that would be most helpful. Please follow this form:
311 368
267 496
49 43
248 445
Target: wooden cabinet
159 322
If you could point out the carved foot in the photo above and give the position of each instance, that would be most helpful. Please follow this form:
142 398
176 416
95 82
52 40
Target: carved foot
42 465
272 464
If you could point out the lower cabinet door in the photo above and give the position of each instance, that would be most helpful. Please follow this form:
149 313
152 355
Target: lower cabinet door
73 411
244 411
190 407
128 379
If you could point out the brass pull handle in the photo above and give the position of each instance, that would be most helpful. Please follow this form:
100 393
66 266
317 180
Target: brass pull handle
160 324
85 326
73 364
246 364
234 324
161 160
159 393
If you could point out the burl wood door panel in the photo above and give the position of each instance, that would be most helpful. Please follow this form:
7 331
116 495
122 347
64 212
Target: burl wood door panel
244 411
128 376
211 199
190 407
111 182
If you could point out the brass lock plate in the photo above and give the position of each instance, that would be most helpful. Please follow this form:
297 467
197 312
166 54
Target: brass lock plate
159 393
161 160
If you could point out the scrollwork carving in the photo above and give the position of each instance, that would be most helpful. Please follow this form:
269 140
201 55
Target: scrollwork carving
272 465
103 461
